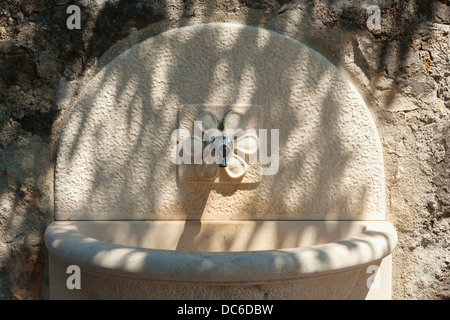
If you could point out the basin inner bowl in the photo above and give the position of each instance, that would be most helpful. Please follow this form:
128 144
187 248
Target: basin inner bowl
219 236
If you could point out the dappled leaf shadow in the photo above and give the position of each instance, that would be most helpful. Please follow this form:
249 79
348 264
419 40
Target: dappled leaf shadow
78 51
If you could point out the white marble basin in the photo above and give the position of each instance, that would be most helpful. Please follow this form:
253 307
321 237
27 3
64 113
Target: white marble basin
219 252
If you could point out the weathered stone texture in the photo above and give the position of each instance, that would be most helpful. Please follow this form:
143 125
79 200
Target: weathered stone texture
402 70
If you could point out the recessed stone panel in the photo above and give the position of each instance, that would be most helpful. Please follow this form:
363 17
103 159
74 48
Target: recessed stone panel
240 122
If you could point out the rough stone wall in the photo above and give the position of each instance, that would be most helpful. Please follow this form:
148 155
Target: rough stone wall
402 70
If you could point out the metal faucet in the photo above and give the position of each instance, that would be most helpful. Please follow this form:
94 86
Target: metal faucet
224 147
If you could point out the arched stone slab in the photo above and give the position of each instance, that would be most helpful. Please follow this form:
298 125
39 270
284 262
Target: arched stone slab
114 158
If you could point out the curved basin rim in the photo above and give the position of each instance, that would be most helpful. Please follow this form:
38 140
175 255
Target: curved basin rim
377 241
